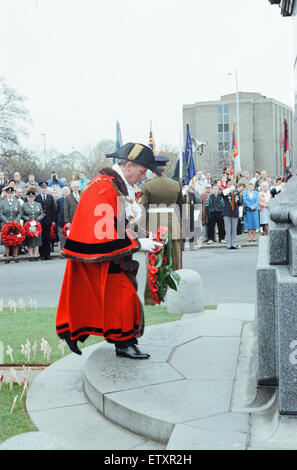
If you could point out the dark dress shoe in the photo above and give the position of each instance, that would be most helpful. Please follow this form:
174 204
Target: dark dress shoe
132 352
36 259
6 261
31 259
16 260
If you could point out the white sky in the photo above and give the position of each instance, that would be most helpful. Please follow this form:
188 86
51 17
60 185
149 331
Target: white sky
83 64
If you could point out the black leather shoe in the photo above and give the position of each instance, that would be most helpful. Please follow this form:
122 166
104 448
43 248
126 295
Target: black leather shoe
132 352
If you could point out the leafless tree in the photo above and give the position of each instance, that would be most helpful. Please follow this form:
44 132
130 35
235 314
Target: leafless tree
14 117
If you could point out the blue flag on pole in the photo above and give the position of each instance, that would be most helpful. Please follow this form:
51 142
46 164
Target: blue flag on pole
188 157
119 142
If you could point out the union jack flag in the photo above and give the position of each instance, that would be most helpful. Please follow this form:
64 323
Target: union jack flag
152 144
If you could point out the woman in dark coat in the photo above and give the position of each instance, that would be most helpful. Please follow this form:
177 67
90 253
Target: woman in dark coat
10 211
31 212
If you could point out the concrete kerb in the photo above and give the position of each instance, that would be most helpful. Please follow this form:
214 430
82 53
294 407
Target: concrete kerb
57 255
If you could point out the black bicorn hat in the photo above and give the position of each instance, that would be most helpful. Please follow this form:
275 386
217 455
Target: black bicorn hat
161 160
137 153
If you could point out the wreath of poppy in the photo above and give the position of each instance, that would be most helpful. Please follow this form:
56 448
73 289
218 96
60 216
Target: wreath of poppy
65 231
13 234
53 232
160 272
33 231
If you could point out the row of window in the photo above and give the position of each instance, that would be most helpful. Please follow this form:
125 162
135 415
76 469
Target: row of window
223 132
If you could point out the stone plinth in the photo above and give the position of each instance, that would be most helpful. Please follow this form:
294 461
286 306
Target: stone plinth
189 297
287 340
278 243
266 321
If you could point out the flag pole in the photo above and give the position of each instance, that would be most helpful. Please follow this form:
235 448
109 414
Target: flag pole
180 158
237 111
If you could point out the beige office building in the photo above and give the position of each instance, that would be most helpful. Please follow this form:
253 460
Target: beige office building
261 120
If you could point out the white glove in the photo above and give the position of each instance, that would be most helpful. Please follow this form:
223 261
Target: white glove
148 244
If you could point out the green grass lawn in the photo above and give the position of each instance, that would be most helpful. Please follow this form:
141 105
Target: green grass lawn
16 328
16 422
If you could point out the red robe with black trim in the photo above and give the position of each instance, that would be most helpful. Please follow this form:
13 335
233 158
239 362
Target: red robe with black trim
98 295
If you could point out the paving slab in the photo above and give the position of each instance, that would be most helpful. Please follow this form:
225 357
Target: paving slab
225 422
113 374
207 358
153 411
34 441
186 437
85 428
182 331
51 390
245 312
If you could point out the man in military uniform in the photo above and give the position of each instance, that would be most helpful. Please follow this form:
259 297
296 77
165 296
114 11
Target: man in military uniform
49 208
165 193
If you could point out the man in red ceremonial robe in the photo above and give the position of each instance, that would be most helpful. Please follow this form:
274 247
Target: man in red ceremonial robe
98 295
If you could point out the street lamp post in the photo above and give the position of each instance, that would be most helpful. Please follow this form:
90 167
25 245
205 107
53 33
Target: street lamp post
44 148
237 111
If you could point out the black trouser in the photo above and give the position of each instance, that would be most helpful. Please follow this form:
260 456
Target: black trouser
45 248
213 219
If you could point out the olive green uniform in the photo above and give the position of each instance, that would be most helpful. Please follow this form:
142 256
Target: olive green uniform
32 211
163 192
9 212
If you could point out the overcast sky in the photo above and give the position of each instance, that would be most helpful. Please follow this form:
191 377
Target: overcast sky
83 64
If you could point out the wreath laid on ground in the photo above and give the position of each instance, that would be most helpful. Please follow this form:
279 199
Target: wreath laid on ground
160 272
53 232
65 231
33 231
13 234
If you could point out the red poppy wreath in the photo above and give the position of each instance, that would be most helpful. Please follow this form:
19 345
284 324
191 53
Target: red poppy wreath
13 234
65 231
160 272
33 231
53 232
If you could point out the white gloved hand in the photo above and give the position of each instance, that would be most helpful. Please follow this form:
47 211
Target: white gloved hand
148 244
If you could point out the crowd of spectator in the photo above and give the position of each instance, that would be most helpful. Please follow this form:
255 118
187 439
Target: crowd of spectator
50 203
230 206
